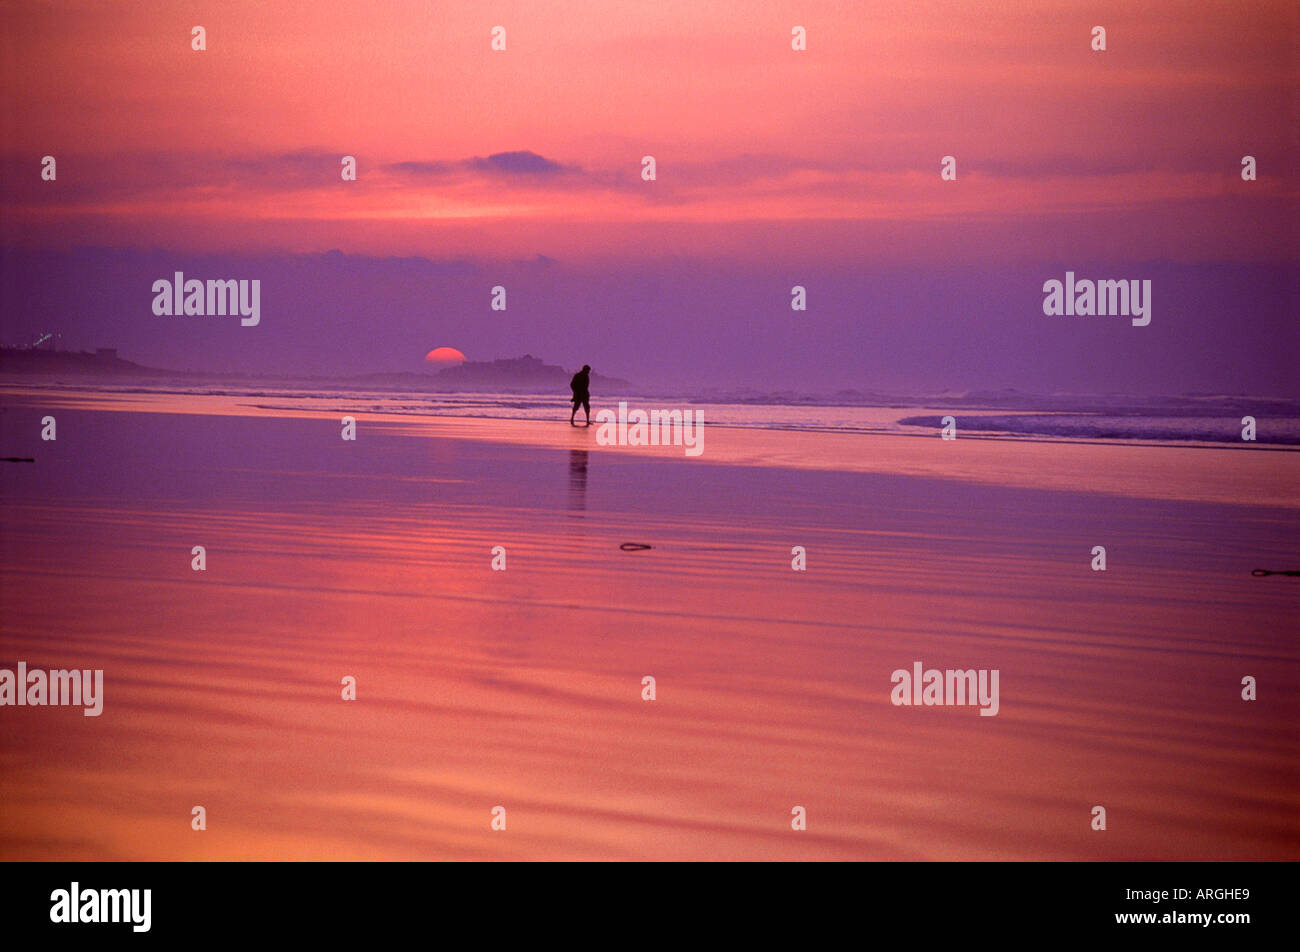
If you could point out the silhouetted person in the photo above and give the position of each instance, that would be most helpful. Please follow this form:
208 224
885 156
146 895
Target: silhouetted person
581 387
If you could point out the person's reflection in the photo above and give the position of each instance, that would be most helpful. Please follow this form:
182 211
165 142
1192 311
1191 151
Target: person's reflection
577 479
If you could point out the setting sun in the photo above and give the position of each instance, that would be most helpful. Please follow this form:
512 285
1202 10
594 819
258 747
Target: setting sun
444 356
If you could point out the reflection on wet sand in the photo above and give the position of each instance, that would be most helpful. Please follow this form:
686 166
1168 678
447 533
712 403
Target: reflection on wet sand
578 479
522 688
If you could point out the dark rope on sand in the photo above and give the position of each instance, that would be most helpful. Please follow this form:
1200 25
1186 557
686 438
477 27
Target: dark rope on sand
634 547
1260 573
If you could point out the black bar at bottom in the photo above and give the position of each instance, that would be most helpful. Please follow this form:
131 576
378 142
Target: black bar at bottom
964 902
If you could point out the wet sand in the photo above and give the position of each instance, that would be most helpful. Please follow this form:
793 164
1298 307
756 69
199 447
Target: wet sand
522 688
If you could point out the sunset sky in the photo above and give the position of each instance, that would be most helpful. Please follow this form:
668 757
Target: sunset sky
775 168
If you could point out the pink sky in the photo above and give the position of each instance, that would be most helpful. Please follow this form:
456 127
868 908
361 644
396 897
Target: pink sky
833 152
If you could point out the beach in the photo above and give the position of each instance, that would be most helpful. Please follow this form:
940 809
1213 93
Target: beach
523 688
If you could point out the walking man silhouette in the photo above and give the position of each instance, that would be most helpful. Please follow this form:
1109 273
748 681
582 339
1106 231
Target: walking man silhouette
581 387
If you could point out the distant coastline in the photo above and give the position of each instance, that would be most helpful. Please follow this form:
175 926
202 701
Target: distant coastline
104 360
526 374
